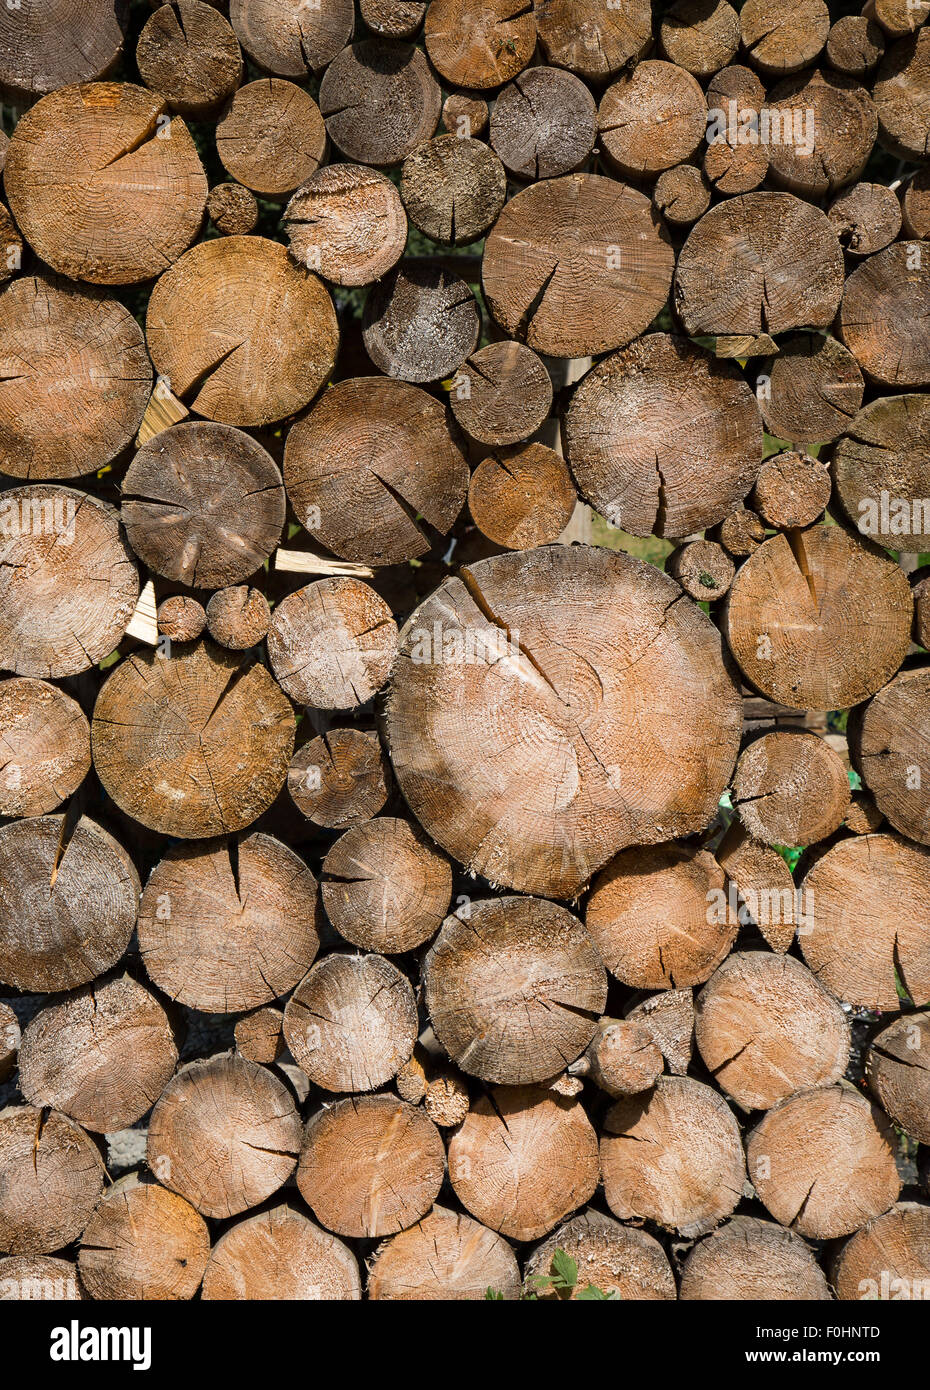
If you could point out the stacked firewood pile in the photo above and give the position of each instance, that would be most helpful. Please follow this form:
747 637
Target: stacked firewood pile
465 715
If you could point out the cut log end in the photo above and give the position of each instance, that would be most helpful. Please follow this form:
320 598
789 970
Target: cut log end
181 618
703 569
766 1028
444 1256
524 1160
225 1135
751 1259
340 779
822 1162
232 209
258 1036
791 491
143 1242
351 1024
688 1172
790 788
370 1166
385 886
238 617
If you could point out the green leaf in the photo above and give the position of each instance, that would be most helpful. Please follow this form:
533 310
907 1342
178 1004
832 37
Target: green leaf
493 1296
564 1270
591 1294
